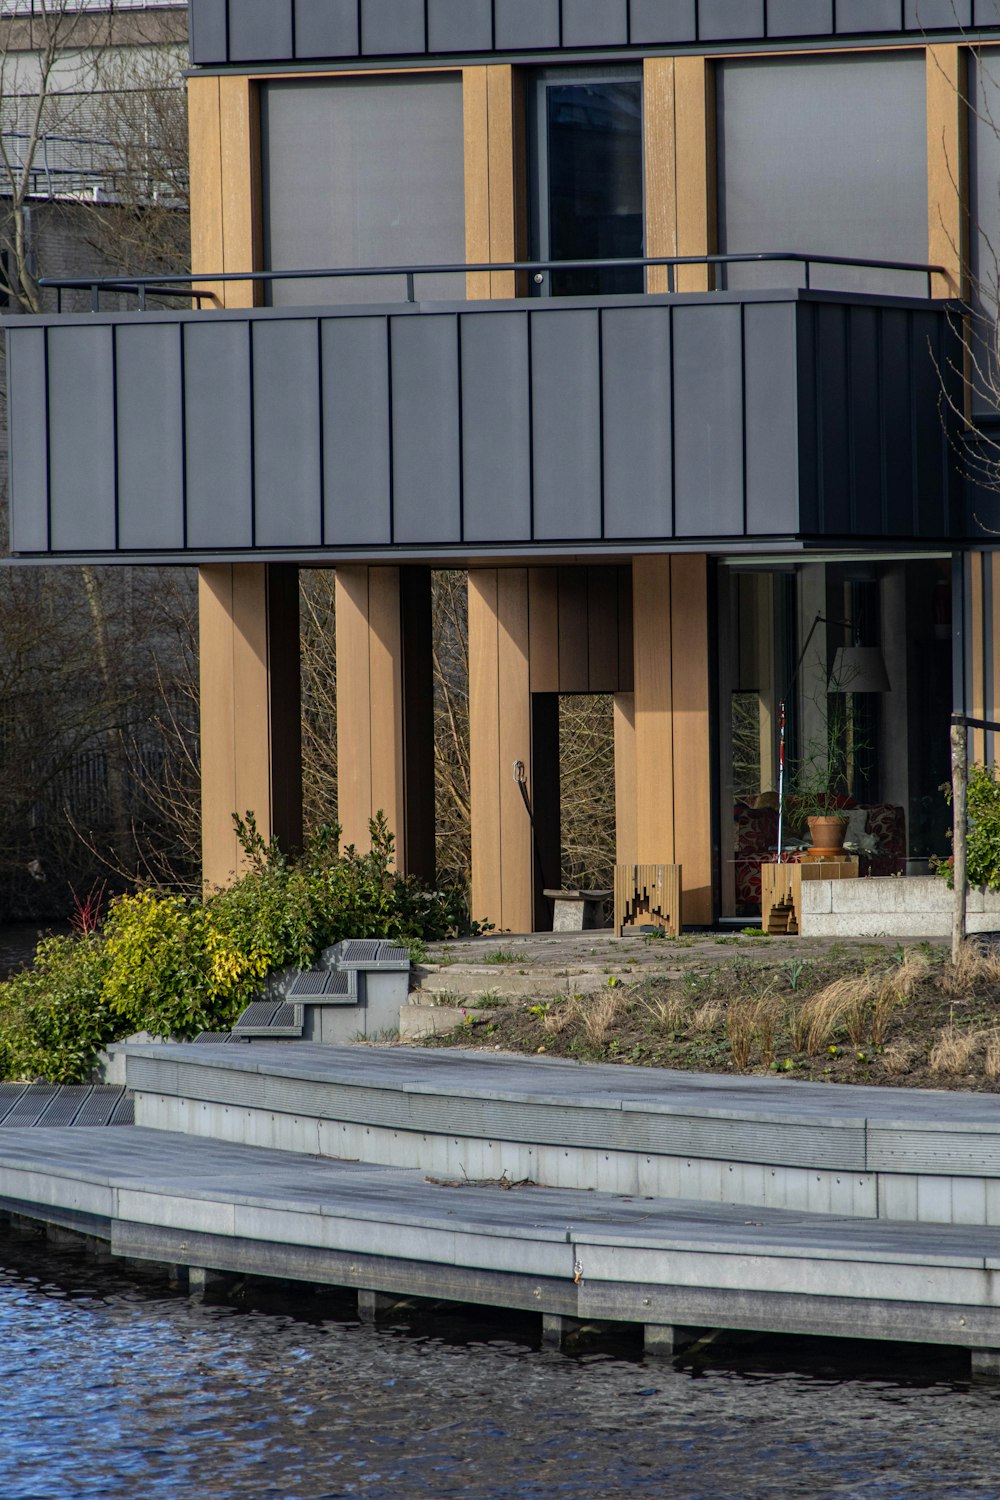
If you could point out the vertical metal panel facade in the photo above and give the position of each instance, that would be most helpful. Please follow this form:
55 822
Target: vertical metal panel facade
482 425
149 423
248 31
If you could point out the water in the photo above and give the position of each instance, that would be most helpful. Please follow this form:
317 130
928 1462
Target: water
117 1388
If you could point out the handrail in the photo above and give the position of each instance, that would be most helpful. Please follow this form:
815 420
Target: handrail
143 286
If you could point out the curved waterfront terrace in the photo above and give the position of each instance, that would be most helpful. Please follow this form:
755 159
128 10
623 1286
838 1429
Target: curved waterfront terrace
679 1202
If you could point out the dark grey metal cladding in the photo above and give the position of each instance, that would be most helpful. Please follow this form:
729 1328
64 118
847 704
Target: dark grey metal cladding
708 420
326 28
523 24
566 422
217 416
874 457
254 31
356 425
478 425
259 30
82 476
931 15
730 20
459 25
392 27
594 23
27 403
496 427
150 437
799 18
637 423
286 414
859 16
659 21
426 429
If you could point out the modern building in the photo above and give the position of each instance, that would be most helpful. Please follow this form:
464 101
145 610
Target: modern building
675 473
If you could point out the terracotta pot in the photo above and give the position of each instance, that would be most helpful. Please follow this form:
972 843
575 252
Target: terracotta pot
828 832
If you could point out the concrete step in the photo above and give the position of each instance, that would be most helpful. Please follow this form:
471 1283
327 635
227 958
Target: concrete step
458 983
901 1154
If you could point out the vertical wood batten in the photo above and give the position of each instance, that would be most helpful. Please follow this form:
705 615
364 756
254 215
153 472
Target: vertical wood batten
250 715
475 108
673 797
484 746
384 724
689 632
660 146
626 826
947 169
654 759
205 146
694 115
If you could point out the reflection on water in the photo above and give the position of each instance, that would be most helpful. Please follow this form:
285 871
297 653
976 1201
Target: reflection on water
113 1386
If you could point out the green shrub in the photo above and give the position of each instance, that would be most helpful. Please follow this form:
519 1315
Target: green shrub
176 966
53 1017
983 838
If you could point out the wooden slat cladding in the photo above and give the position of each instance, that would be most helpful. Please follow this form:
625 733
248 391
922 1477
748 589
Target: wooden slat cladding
948 169
383 709
495 163
251 757
533 633
226 225
580 629
673 738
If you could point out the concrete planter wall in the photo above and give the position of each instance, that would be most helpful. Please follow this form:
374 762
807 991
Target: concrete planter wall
891 906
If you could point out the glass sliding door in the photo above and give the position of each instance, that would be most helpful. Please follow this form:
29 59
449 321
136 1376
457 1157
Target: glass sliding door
587 178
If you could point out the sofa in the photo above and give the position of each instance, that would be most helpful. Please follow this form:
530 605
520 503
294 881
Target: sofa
883 851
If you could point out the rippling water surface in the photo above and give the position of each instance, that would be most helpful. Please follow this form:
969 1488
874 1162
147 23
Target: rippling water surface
118 1388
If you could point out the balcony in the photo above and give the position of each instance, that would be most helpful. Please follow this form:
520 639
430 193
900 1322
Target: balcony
788 417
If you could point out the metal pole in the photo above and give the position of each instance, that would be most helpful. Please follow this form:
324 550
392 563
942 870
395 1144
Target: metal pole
959 784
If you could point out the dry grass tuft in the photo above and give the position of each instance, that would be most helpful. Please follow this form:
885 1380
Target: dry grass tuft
599 1015
992 1060
752 1020
899 1057
668 1013
907 977
976 967
555 1021
843 1003
708 1017
954 1050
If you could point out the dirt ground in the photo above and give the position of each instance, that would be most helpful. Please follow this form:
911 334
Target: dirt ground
841 1013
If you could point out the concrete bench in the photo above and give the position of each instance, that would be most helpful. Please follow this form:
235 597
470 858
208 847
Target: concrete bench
578 911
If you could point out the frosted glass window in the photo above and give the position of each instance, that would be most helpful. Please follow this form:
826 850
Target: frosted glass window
364 172
827 155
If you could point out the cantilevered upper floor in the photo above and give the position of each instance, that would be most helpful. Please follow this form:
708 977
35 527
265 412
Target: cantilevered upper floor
598 425
240 32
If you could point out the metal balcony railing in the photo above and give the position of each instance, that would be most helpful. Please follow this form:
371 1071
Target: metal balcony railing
185 285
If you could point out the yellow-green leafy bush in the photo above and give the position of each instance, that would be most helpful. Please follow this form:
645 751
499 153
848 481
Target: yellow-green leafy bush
175 966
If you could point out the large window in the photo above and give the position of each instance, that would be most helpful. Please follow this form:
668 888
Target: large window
364 172
587 188
828 156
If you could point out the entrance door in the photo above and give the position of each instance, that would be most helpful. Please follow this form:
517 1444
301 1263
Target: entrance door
587 188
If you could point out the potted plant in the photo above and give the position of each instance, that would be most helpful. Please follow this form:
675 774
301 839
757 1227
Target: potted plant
819 790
